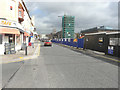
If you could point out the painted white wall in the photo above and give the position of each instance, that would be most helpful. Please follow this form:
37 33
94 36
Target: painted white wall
27 38
5 11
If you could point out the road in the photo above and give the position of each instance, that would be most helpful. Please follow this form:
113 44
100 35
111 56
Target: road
60 67
8 70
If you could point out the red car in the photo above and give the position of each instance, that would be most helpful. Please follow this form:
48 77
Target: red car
48 43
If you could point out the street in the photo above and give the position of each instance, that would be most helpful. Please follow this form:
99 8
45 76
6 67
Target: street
60 67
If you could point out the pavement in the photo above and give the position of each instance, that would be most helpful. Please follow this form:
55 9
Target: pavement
8 67
60 67
20 55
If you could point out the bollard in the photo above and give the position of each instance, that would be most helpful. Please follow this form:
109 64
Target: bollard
25 50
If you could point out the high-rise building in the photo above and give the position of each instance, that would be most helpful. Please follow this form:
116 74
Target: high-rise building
68 26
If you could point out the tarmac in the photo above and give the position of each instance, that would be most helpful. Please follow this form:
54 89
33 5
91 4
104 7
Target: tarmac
107 58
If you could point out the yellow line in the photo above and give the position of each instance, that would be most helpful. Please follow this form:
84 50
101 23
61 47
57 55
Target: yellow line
102 56
108 58
16 61
39 50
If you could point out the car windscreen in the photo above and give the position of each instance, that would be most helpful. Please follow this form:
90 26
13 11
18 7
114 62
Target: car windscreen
48 41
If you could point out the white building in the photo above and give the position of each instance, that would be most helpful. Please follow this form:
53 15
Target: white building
15 24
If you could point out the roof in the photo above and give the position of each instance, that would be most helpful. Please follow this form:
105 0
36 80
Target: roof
107 33
118 32
96 33
96 29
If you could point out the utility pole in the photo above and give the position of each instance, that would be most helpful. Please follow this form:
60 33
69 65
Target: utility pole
61 26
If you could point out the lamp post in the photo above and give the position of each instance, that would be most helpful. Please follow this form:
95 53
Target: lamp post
61 25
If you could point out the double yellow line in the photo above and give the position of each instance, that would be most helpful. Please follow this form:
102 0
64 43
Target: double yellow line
108 58
118 61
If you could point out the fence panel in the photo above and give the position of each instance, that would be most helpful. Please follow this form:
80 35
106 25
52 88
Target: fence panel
80 43
71 42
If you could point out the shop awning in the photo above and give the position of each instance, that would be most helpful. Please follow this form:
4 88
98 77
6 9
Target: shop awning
26 34
5 30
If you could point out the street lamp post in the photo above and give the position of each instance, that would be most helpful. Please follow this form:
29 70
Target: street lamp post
61 25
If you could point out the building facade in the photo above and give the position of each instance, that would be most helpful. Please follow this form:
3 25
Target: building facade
16 25
68 26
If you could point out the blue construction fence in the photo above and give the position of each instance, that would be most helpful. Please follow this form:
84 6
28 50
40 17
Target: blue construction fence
70 42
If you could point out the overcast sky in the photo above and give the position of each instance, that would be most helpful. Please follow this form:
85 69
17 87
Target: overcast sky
87 14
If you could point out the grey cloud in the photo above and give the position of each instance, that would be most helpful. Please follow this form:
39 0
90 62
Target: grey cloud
87 14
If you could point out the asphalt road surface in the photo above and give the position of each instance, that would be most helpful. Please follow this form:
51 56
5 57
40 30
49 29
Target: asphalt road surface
60 67
8 71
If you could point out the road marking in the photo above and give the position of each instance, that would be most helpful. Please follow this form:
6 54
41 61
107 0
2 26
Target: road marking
100 56
39 50
21 57
24 59
108 58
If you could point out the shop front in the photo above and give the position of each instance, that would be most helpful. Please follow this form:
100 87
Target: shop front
9 33
8 39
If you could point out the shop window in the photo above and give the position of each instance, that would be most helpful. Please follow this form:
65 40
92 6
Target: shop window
12 39
0 39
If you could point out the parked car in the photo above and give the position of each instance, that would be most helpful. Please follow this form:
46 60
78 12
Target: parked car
48 43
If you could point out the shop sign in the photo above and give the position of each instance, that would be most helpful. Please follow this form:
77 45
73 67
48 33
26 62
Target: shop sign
11 24
7 23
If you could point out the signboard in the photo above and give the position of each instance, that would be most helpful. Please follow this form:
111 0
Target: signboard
75 40
10 24
101 39
7 23
110 50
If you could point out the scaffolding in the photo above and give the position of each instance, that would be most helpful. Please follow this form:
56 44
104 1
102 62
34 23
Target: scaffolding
68 26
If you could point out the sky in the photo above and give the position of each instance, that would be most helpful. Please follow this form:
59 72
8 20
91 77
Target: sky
87 14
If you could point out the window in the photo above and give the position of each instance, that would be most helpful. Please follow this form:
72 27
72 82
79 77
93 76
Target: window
113 41
20 13
0 39
101 40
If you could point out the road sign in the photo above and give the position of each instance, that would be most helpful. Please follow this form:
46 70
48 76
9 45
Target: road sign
75 40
